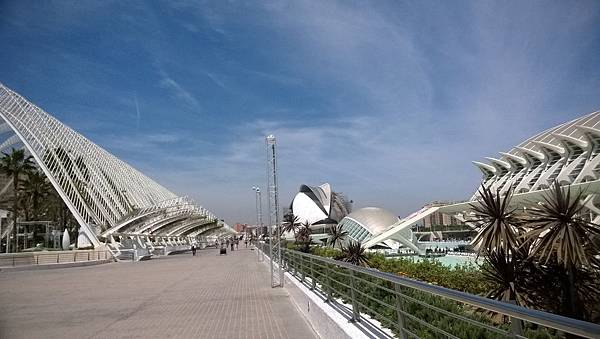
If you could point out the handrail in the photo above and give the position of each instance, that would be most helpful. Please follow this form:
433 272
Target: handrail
546 319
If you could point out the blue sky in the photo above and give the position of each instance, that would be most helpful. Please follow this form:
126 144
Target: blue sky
388 101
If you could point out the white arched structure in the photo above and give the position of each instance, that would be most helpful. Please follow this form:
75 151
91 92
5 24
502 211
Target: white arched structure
105 195
568 153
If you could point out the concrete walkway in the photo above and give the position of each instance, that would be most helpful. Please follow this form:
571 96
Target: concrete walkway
207 296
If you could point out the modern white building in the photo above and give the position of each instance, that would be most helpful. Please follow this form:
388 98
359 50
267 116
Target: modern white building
568 153
110 200
366 223
319 205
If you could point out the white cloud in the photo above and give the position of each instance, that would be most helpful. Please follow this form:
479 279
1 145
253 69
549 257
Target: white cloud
414 97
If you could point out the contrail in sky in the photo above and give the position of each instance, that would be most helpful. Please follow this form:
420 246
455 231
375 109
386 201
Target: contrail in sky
137 110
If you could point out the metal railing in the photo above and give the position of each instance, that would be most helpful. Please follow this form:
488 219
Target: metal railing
416 309
39 258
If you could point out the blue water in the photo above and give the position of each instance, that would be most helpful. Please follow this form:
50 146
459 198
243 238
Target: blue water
450 260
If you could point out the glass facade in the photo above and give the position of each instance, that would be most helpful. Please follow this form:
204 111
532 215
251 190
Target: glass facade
355 230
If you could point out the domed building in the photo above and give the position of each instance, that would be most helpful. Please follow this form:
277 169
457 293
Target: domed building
367 222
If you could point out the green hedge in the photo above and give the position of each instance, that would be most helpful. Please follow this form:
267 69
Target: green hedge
462 277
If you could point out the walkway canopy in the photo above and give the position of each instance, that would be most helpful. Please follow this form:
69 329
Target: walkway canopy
105 195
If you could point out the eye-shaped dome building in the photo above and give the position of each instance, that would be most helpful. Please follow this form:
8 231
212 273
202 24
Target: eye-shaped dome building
366 222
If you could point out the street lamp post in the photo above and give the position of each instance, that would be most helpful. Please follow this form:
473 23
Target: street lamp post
259 225
274 221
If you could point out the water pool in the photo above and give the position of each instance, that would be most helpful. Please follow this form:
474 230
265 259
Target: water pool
449 260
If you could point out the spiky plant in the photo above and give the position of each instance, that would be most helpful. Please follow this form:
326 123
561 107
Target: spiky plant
560 232
303 237
355 254
336 234
559 229
509 275
499 222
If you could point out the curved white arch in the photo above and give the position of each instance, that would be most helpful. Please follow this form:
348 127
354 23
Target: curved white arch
568 153
101 191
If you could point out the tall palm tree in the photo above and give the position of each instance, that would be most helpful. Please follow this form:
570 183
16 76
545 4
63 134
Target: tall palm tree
14 164
560 232
291 223
336 234
36 187
355 254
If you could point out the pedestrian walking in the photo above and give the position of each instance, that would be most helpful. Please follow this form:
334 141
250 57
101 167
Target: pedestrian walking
232 244
193 250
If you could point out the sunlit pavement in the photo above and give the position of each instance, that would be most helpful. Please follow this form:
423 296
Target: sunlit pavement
206 296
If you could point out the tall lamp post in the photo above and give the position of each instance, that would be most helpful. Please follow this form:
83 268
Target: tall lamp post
274 221
259 224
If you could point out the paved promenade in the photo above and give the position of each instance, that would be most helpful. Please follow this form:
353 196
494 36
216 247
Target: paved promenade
207 296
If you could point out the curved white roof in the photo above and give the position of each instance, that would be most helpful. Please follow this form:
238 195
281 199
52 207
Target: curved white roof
102 192
306 209
373 219
567 153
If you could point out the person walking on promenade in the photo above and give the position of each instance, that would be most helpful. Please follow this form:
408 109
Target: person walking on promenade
237 244
246 242
232 243
193 250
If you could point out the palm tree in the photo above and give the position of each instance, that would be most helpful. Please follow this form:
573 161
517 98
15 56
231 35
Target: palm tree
291 223
506 265
336 234
57 209
355 254
499 223
14 164
510 276
559 232
303 237
36 187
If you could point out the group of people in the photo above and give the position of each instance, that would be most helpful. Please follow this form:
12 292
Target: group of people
232 242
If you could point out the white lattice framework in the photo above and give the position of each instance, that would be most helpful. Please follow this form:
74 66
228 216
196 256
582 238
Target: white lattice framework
105 195
274 215
568 153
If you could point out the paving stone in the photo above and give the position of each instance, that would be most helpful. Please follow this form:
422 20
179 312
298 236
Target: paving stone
180 296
